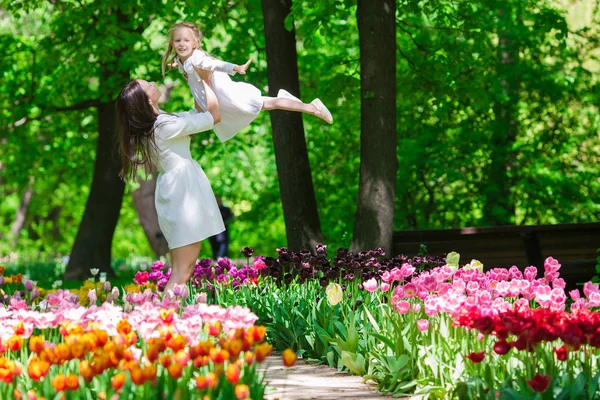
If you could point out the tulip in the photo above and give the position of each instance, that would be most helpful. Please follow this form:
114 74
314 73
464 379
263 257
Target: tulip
118 381
233 374
423 325
539 383
370 285
334 293
289 358
242 391
476 357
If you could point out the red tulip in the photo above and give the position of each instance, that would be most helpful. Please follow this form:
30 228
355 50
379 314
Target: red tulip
476 357
501 347
539 383
561 353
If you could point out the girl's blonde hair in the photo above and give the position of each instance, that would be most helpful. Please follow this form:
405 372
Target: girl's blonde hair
167 55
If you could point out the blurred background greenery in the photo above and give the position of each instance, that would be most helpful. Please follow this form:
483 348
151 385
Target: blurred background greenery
453 88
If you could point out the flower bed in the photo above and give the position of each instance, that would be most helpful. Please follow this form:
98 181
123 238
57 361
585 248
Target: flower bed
133 346
426 325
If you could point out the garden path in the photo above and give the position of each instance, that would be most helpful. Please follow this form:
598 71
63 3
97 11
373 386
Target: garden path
308 381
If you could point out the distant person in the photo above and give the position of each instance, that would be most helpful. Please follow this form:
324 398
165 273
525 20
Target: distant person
186 206
220 242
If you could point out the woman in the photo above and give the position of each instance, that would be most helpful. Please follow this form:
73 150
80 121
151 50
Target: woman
187 210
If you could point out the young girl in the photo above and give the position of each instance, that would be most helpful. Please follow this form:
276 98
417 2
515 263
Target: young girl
240 102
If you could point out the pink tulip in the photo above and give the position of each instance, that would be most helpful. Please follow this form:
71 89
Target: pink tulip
575 295
370 285
410 290
384 286
403 307
423 325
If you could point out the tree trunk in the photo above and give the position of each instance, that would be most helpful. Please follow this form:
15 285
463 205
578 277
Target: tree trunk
499 208
302 224
374 220
92 248
143 201
22 212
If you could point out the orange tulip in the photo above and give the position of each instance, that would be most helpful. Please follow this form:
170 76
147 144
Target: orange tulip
78 350
86 371
123 327
19 328
149 373
167 315
37 369
289 357
175 370
262 351
63 352
233 374
218 356
204 347
6 375
201 383
101 337
15 343
165 360
249 357
235 347
211 380
177 342
59 382
118 381
242 391
17 394
72 382
137 375
152 353
36 344
201 361
182 358
214 328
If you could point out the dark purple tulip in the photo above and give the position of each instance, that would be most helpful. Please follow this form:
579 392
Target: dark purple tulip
247 252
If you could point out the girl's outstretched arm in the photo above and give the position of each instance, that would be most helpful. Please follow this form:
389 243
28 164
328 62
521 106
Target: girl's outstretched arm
201 61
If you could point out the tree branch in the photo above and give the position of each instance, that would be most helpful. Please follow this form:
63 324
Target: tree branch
419 46
50 110
440 28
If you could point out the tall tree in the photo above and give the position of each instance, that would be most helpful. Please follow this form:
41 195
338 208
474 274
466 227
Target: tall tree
374 219
499 208
143 201
302 224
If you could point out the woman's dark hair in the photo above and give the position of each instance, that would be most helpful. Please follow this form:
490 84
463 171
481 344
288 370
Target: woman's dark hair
135 129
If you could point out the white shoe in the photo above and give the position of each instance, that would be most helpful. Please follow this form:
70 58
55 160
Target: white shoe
322 111
284 94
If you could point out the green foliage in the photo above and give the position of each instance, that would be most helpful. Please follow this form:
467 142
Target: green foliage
450 83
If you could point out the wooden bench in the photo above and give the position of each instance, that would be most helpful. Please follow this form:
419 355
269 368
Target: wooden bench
573 245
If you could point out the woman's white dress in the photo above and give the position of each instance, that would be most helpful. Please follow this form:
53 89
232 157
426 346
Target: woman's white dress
240 102
185 203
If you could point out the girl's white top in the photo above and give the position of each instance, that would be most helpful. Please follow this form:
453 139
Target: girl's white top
240 102
186 206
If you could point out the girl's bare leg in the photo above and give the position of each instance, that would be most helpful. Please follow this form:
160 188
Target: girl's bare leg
183 261
277 103
315 108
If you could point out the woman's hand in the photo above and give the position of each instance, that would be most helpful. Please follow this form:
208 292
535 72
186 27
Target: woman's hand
241 69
